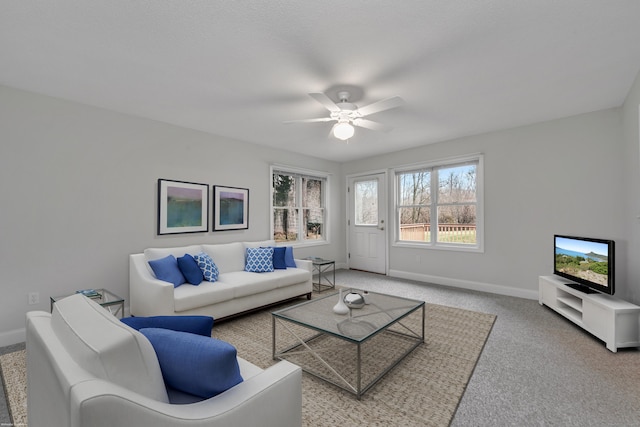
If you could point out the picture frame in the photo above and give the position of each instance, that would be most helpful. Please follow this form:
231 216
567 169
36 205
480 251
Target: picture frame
230 208
183 207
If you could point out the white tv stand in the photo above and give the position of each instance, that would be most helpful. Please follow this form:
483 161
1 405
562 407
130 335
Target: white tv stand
614 321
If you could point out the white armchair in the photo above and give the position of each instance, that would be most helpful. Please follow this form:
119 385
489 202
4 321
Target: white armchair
86 368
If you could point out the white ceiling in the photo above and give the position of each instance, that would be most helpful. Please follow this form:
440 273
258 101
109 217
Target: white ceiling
240 68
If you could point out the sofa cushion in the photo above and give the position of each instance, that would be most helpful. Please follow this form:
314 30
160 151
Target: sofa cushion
107 348
235 284
259 260
288 257
246 284
278 258
166 269
188 297
190 269
194 364
199 325
227 256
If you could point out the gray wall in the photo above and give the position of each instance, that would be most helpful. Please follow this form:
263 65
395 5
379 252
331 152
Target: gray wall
564 176
78 192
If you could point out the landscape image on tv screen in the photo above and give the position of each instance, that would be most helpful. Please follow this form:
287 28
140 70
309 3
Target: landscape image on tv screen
583 259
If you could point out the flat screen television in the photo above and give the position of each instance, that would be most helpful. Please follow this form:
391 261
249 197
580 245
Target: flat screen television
588 263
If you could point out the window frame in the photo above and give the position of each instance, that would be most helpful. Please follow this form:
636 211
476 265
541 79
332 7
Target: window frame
433 204
300 173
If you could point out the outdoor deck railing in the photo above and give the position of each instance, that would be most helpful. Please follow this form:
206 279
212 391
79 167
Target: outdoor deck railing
420 232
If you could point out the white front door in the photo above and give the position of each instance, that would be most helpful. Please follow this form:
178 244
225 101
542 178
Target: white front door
367 223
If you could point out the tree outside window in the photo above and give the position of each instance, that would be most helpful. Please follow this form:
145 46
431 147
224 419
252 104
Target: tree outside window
298 207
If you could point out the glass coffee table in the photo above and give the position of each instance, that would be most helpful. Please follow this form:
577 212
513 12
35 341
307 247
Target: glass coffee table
352 351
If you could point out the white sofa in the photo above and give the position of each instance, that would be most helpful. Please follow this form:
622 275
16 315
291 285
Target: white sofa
86 368
236 291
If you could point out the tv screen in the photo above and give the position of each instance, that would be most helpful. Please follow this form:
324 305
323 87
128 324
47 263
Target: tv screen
588 262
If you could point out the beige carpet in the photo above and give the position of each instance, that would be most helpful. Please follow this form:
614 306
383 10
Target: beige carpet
423 390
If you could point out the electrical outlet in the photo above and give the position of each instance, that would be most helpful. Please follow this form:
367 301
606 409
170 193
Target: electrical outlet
34 298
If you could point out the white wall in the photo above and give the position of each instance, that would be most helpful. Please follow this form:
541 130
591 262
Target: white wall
78 195
631 124
563 176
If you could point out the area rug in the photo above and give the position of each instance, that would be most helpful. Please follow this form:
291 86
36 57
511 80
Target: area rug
13 371
423 390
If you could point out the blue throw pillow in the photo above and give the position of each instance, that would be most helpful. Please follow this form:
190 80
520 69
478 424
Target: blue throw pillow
201 366
200 325
278 258
167 269
259 260
209 268
288 257
190 270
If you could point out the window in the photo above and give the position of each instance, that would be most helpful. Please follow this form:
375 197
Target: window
440 205
366 202
298 205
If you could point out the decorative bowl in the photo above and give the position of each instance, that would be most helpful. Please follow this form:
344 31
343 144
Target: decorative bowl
354 300
356 328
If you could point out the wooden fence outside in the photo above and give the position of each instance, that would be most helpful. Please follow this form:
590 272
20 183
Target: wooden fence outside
447 232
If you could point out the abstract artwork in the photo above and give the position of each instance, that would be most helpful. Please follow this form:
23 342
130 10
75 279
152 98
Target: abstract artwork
183 207
230 208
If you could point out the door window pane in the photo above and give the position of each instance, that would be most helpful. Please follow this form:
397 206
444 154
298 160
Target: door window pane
366 202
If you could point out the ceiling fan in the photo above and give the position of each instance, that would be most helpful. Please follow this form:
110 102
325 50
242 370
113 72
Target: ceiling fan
348 115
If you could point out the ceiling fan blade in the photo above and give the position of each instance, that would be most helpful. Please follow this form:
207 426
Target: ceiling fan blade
385 104
326 101
321 119
370 124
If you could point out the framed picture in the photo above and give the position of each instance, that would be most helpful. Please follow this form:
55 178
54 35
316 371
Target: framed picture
230 208
183 207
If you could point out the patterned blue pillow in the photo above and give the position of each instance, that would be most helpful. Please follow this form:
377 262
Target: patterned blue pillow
259 260
208 267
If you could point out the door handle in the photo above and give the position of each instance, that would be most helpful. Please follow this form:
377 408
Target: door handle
381 228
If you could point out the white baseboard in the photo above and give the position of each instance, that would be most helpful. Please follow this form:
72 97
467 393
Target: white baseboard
13 337
466 284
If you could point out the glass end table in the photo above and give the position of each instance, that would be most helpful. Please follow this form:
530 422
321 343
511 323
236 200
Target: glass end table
322 266
110 301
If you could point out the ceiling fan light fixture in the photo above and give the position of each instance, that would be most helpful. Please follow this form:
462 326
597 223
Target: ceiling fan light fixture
343 131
